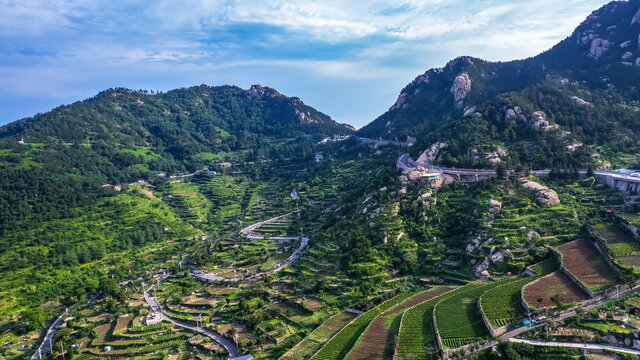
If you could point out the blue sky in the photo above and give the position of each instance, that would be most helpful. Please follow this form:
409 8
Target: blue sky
348 59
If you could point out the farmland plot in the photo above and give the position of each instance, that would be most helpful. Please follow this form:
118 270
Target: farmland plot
584 261
377 342
624 247
458 319
339 345
553 286
502 305
416 338
319 336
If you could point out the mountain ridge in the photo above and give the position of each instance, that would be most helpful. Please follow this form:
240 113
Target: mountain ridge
590 63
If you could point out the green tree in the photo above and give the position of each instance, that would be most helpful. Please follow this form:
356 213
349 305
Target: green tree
33 318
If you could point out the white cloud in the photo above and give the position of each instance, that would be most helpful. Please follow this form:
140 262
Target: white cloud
72 48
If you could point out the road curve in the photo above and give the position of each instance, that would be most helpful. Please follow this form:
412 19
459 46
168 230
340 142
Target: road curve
51 333
228 345
304 242
49 337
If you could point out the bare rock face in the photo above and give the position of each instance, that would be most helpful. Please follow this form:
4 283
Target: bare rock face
258 92
399 102
430 155
510 114
414 175
460 88
636 18
599 47
544 195
573 147
580 102
532 234
539 119
305 118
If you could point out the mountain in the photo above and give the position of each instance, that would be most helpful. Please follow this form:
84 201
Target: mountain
124 135
572 105
180 123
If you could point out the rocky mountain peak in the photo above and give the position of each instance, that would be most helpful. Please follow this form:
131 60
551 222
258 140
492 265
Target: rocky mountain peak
611 33
258 91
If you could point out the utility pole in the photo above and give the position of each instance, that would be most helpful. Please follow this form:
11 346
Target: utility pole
617 291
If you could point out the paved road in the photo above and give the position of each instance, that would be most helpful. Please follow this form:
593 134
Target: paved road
304 242
248 230
228 345
49 338
409 164
578 346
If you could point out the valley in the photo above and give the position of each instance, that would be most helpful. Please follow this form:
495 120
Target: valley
491 213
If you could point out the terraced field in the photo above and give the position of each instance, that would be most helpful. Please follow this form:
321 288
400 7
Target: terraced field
417 339
555 286
377 342
457 317
586 263
128 337
502 305
280 227
310 344
339 345
625 248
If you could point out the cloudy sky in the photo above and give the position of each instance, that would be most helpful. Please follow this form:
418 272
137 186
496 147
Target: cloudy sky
348 59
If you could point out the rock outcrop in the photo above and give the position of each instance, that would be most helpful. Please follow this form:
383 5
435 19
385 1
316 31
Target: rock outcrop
494 206
539 120
496 157
544 195
460 88
636 18
598 47
580 102
400 102
258 91
431 155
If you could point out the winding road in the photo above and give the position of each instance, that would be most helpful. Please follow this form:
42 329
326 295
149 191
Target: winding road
49 338
247 232
228 345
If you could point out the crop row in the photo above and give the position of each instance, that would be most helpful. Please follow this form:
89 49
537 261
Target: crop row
416 339
502 305
458 342
342 342
457 315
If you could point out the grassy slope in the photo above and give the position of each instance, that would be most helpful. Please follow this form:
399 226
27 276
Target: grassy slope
101 223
